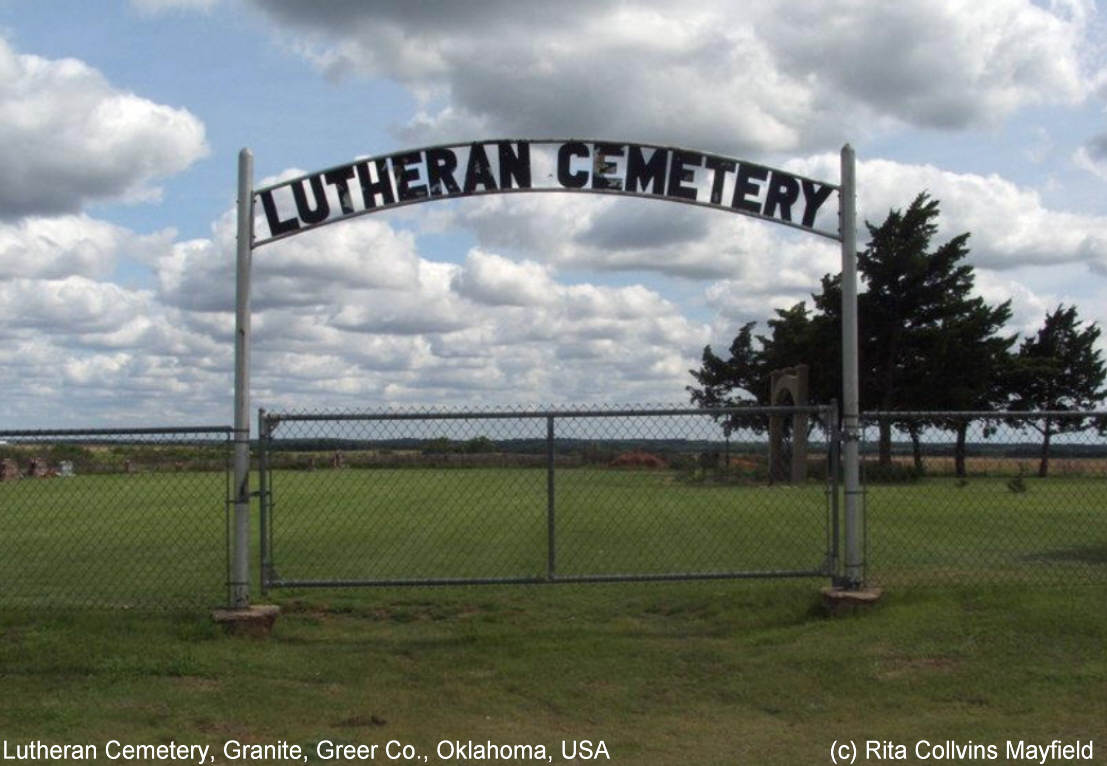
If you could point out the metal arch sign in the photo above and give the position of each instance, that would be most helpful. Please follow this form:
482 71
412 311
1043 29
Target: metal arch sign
371 184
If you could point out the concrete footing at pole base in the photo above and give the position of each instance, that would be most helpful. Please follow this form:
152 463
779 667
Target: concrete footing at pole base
255 620
838 601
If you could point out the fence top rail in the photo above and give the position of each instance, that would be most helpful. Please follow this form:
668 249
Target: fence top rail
991 414
148 431
276 417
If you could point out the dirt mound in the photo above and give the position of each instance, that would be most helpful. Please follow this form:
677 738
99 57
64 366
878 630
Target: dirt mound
638 459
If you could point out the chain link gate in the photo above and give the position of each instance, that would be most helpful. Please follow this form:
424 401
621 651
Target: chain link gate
430 498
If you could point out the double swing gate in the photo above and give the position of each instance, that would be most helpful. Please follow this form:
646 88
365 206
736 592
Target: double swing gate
420 498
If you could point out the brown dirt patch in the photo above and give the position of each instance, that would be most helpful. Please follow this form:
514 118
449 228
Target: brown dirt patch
639 459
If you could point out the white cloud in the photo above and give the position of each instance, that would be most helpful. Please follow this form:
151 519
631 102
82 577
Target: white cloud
310 269
71 245
1009 224
497 281
74 305
769 77
68 137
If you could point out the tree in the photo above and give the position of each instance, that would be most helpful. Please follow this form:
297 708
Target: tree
796 336
974 361
924 341
917 299
1058 369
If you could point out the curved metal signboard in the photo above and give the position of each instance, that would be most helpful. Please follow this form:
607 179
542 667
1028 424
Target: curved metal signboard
516 165
506 166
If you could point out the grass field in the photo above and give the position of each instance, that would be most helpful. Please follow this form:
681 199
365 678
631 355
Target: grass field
715 672
159 538
144 539
485 522
663 673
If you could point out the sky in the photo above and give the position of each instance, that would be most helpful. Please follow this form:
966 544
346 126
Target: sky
121 122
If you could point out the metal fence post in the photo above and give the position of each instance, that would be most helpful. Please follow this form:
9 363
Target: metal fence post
551 531
834 465
263 499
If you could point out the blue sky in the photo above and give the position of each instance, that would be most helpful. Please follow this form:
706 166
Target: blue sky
121 122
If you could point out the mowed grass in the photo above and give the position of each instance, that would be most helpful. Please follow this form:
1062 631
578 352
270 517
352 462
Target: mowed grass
966 644
159 539
484 523
118 540
663 673
942 530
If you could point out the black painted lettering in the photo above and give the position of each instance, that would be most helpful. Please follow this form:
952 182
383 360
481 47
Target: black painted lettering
680 172
276 225
514 165
603 171
308 214
441 164
814 195
565 176
642 174
340 180
405 170
720 166
783 192
381 186
478 171
745 189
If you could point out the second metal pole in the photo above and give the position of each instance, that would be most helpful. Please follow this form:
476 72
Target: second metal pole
854 574
551 522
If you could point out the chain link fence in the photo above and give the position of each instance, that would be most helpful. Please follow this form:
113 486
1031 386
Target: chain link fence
985 497
392 498
114 518
137 517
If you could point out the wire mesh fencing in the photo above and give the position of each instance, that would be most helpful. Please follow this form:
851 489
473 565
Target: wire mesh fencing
114 518
985 497
392 498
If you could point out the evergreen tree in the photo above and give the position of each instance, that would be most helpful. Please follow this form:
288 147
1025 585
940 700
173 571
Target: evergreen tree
1059 369
924 341
971 363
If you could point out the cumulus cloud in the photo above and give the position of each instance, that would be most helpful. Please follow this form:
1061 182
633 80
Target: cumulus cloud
70 245
80 351
309 269
774 77
497 281
69 137
1009 224
938 64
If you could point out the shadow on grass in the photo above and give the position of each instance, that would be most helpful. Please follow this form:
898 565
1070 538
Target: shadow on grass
1085 554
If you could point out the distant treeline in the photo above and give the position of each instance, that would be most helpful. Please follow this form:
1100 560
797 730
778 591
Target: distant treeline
661 447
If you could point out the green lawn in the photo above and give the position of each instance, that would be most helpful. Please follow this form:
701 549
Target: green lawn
943 531
663 673
424 523
992 627
159 539
117 540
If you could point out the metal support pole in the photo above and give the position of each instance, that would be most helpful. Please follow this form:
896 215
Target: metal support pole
240 567
263 501
834 462
551 530
854 565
